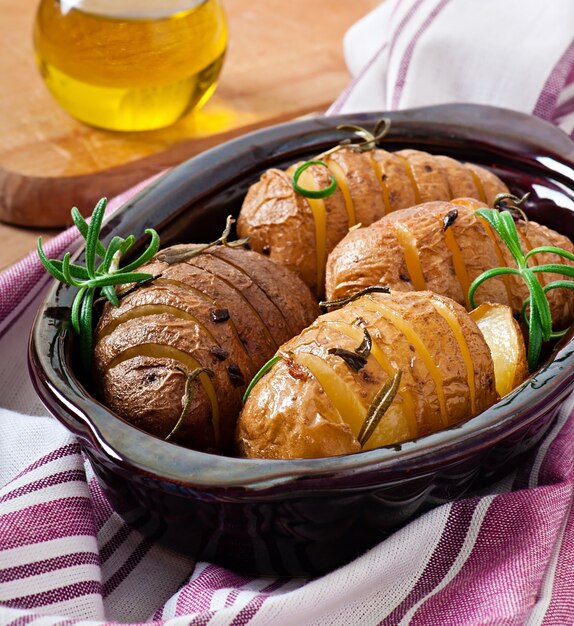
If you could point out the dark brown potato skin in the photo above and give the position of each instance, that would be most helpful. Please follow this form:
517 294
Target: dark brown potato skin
147 346
374 255
291 416
280 222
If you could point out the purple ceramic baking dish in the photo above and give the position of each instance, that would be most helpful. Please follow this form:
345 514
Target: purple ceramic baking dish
304 517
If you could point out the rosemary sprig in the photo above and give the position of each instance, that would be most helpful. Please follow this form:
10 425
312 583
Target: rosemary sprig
331 304
102 276
190 377
536 309
185 253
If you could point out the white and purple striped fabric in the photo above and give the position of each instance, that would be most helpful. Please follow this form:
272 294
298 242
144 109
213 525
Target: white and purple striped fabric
501 556
517 54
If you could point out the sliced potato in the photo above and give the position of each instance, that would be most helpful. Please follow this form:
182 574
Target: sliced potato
504 338
176 355
314 401
300 232
411 249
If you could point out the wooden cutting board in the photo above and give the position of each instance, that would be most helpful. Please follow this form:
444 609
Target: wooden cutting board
284 60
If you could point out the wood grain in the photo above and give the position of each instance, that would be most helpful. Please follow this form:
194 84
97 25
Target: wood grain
284 60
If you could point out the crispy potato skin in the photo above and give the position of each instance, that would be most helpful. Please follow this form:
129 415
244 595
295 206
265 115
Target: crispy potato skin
226 310
281 223
290 414
376 255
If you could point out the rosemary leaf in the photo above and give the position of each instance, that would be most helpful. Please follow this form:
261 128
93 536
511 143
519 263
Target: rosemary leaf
352 359
262 371
86 327
551 249
76 307
152 248
313 193
82 226
92 236
328 304
366 345
381 402
188 395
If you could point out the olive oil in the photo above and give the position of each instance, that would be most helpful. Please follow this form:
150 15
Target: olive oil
124 64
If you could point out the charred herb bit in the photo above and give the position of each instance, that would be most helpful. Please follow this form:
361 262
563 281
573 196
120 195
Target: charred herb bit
538 319
500 204
142 283
449 219
352 359
357 359
367 344
219 353
219 315
295 370
188 394
379 407
94 276
329 304
313 193
235 375
367 140
186 253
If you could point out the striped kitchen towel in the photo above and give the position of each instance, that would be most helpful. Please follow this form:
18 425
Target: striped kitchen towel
517 54
503 556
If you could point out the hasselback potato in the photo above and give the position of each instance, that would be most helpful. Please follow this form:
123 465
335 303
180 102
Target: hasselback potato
299 232
443 247
175 356
317 395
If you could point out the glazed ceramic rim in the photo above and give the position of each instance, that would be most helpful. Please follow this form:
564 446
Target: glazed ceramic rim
121 444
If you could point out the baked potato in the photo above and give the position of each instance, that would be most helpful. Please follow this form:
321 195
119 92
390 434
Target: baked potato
418 359
175 356
443 247
300 232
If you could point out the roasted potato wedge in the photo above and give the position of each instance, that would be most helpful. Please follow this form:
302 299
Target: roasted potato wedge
412 249
175 356
504 338
300 232
315 399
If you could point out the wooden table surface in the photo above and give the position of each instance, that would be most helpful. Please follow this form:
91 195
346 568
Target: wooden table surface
284 60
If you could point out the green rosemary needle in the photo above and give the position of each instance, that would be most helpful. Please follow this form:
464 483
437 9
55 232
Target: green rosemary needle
262 371
536 309
94 275
312 193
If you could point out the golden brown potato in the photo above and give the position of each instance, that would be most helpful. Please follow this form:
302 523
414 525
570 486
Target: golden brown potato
411 249
504 338
300 232
226 310
316 397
